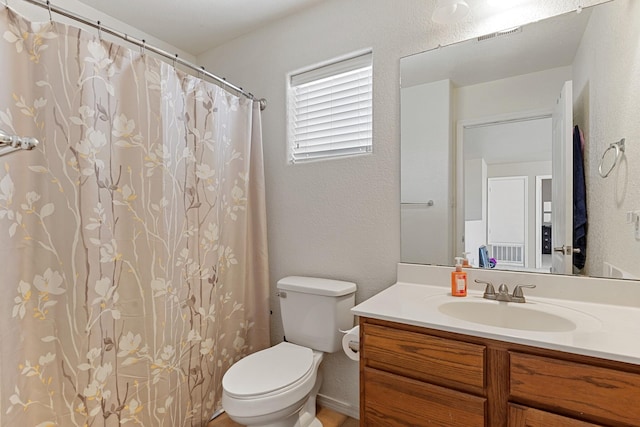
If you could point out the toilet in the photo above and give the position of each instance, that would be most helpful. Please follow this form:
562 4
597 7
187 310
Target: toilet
277 387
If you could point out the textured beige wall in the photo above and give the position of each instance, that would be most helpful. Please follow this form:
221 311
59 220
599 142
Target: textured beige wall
341 218
607 87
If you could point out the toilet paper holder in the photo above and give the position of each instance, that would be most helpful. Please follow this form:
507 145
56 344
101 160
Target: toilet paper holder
351 343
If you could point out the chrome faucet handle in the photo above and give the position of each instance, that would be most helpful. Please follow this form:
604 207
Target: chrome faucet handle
518 295
503 293
489 290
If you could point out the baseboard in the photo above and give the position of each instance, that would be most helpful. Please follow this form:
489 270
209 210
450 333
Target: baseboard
338 406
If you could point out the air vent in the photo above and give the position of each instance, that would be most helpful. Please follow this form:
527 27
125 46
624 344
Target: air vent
500 34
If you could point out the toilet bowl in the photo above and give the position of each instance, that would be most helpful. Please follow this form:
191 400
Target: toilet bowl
277 387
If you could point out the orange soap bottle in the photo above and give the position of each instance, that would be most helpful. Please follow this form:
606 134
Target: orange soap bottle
465 260
458 280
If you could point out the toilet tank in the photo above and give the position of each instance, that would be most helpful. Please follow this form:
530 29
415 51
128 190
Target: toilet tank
314 310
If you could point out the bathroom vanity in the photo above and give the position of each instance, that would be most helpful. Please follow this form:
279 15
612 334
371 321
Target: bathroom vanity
569 355
420 367
419 376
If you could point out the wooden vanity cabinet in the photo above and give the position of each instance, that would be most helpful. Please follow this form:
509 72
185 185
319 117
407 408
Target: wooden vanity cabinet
417 379
398 400
412 376
522 416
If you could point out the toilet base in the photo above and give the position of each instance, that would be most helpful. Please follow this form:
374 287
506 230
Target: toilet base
303 417
297 420
315 423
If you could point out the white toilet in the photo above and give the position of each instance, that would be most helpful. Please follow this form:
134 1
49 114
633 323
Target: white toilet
277 387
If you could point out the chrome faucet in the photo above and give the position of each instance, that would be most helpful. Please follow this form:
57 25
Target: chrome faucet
489 290
517 295
503 292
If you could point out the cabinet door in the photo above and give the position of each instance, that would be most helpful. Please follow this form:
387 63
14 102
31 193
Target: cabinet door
392 400
521 416
575 388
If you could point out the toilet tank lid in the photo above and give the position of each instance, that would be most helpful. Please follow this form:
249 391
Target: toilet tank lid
316 286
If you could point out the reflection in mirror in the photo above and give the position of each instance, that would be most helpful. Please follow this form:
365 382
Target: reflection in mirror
507 165
502 137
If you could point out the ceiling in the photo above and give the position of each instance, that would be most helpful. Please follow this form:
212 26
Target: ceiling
543 45
509 142
196 26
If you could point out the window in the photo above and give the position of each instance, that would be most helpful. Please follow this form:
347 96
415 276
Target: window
330 110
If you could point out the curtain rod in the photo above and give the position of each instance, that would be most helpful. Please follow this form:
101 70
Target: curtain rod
142 44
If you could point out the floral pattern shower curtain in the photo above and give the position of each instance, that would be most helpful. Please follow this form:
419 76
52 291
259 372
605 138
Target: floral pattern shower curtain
133 239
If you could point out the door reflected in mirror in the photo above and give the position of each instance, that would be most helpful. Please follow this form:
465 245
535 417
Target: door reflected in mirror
507 168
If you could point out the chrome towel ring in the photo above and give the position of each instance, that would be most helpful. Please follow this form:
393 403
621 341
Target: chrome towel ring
609 163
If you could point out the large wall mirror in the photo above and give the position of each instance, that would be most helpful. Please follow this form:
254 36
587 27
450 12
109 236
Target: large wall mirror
502 139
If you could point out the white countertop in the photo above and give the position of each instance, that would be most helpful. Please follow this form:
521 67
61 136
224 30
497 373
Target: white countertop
612 332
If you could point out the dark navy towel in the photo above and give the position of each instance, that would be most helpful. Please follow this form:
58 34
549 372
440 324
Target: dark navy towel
579 202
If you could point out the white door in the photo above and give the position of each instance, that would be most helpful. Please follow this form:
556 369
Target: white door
507 218
562 183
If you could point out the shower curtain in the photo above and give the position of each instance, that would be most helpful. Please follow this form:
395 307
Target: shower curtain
132 240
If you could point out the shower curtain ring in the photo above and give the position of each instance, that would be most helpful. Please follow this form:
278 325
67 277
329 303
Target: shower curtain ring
99 31
48 7
143 47
175 59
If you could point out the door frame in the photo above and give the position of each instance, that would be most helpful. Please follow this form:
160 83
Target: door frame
539 179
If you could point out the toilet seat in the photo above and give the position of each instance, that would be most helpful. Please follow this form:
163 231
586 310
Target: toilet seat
269 372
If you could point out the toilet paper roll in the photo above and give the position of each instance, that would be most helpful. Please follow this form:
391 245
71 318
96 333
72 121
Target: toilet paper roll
351 341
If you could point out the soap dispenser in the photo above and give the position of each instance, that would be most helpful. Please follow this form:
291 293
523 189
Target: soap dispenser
458 280
465 260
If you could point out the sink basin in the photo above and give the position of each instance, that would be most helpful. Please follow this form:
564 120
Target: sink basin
507 316
526 317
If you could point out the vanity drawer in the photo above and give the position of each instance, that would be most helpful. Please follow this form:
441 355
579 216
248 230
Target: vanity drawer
442 361
521 416
392 400
581 390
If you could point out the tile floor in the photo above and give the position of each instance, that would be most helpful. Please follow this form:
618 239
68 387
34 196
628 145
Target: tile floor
328 417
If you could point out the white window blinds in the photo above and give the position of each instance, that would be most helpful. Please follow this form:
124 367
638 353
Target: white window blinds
330 110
